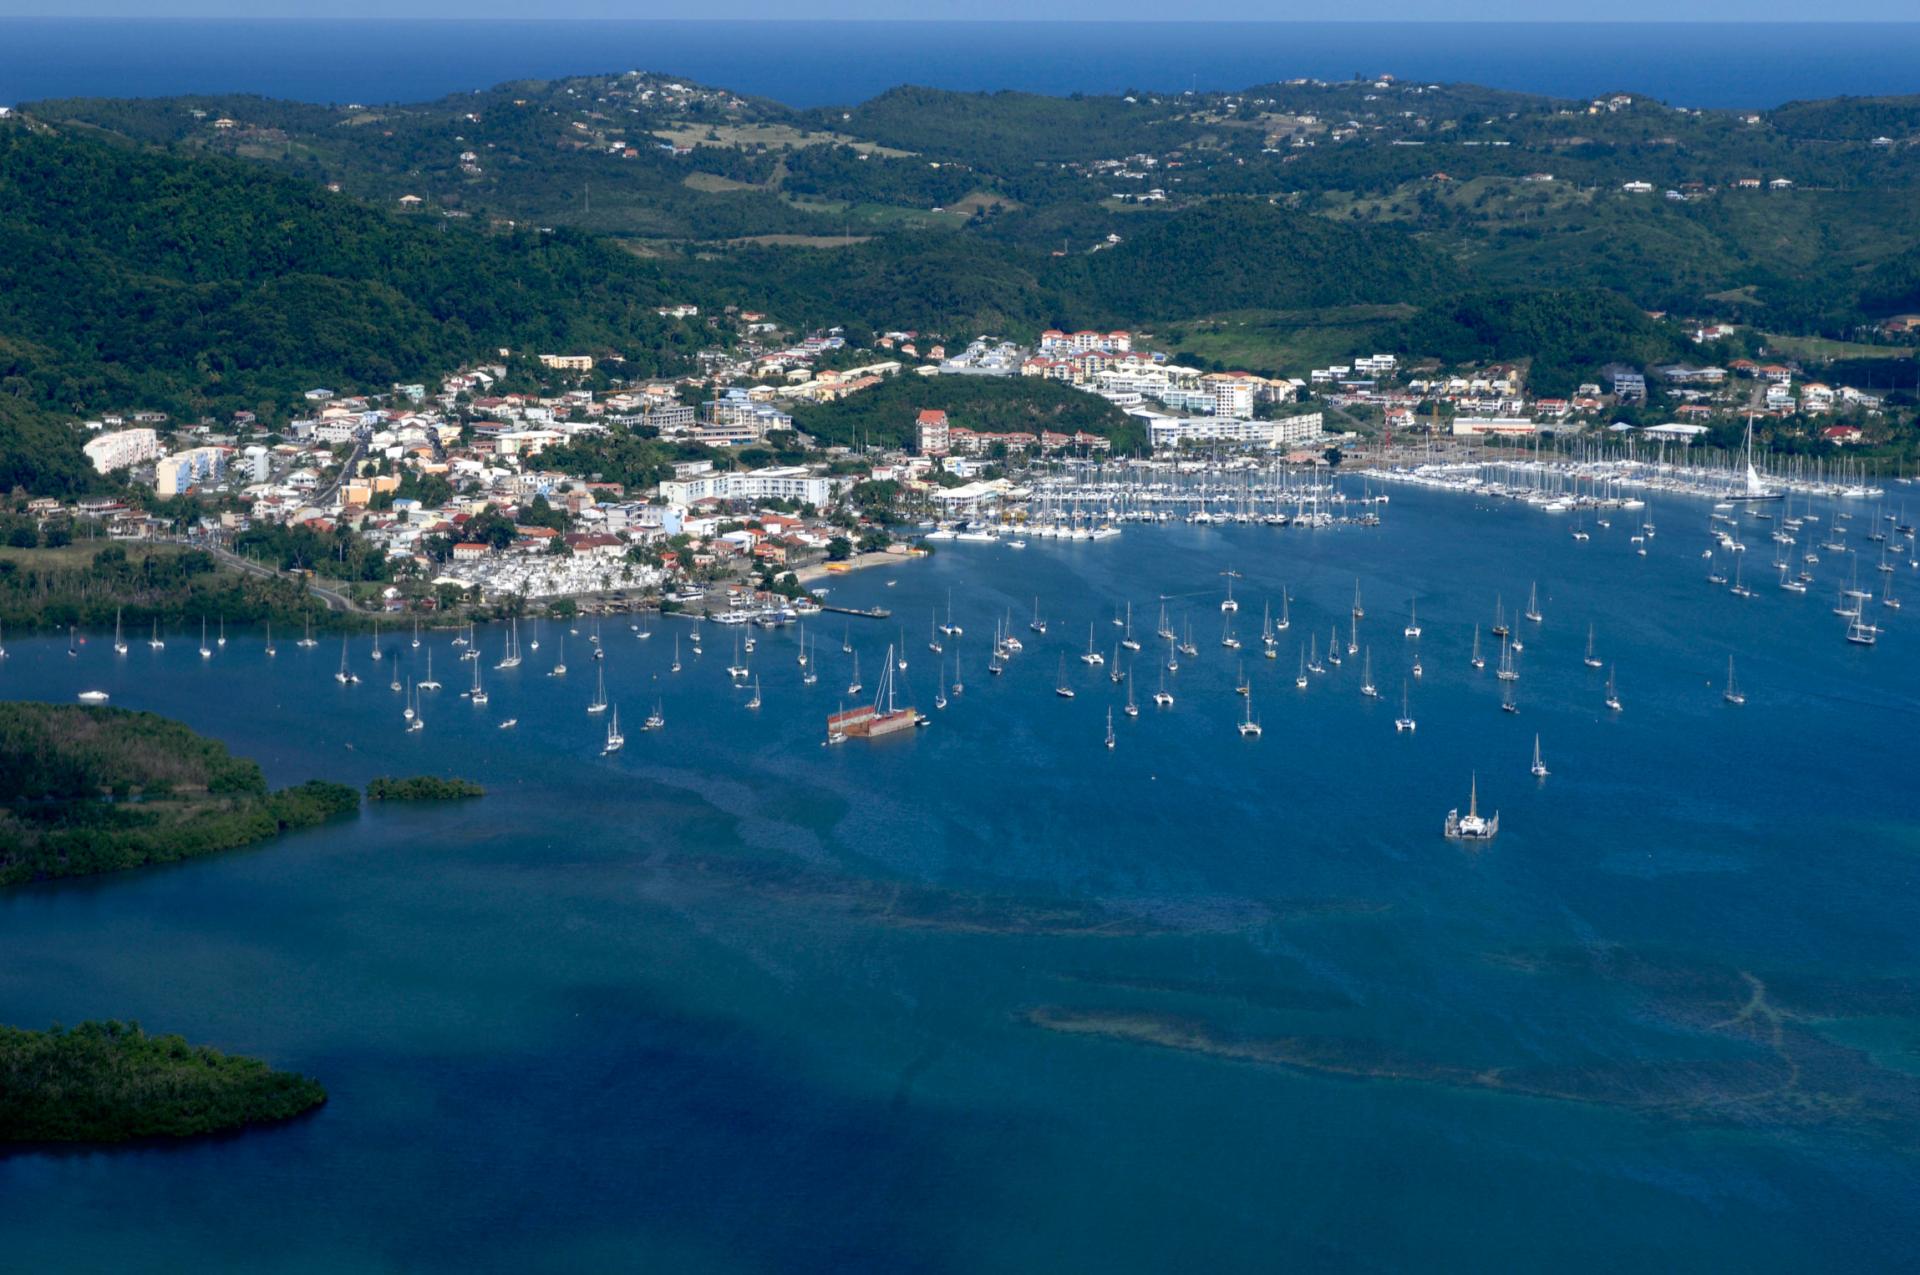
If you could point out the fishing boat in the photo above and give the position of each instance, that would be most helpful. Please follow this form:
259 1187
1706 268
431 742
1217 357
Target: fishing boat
1060 687
1092 657
615 740
1163 698
1613 695
1413 618
1367 688
1533 604
1590 659
1249 724
1539 768
119 642
1405 721
1732 694
1477 660
1110 740
427 683
1471 826
598 704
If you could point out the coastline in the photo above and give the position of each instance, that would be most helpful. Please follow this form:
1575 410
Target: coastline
858 562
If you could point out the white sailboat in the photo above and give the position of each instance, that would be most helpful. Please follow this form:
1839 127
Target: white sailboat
657 719
1413 618
1131 709
376 652
1301 680
427 683
1471 826
1733 694
479 693
1591 660
271 649
615 740
1060 687
1539 768
1533 603
598 704
206 652
345 676
1367 688
1110 739
559 668
119 642
1092 657
1286 619
307 640
1249 724
853 683
1477 660
1163 698
157 644
755 701
1405 721
1613 696
512 658
1359 612
222 639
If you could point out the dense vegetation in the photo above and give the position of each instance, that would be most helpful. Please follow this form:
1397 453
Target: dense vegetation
885 414
1566 333
111 1082
86 790
88 583
423 788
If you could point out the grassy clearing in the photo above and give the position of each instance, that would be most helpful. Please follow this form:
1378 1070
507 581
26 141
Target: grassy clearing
1817 349
1282 342
768 136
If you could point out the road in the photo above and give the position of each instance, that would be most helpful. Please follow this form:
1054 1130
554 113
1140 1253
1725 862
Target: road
335 601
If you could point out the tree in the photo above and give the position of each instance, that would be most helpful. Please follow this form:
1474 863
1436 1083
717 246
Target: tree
839 549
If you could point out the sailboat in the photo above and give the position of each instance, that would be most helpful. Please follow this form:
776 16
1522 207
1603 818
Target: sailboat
1506 698
1227 639
1187 648
1129 641
1286 619
1110 739
1333 646
933 635
736 670
1367 688
812 674
1478 660
73 640
1092 656
408 712
1613 696
1313 655
1301 680
377 653
1738 589
479 693
1242 686
1590 659
271 649
939 687
1733 694
1533 603
416 636
598 704
119 642
1359 612
1353 637
512 658
1131 709
1037 624
156 644
959 687
1228 604
1061 688
676 654
1539 768
419 719
1499 628
853 684
427 683
1249 726
1166 629
559 668
1418 669
900 658
206 652
755 701
1269 643
615 740
308 640
1163 698
657 719
345 676
222 639
1754 489
1405 720
1413 618
394 685
1507 672
950 628
801 658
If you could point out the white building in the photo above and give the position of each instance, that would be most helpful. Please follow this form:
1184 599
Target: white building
1169 432
1502 426
176 473
794 483
121 448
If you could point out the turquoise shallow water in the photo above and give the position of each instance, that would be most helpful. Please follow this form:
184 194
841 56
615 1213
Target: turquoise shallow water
993 997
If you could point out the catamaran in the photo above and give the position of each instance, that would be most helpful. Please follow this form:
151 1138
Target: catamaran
1413 618
308 640
1092 656
1471 826
736 670
427 683
345 676
1228 604
950 628
1539 768
1163 698
1405 720
1249 725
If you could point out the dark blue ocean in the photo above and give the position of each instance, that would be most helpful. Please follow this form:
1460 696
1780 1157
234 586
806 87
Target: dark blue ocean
815 63
993 997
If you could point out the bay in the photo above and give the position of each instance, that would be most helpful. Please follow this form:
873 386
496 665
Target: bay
995 997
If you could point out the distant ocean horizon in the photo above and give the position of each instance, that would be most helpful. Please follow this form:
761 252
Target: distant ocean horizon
818 63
